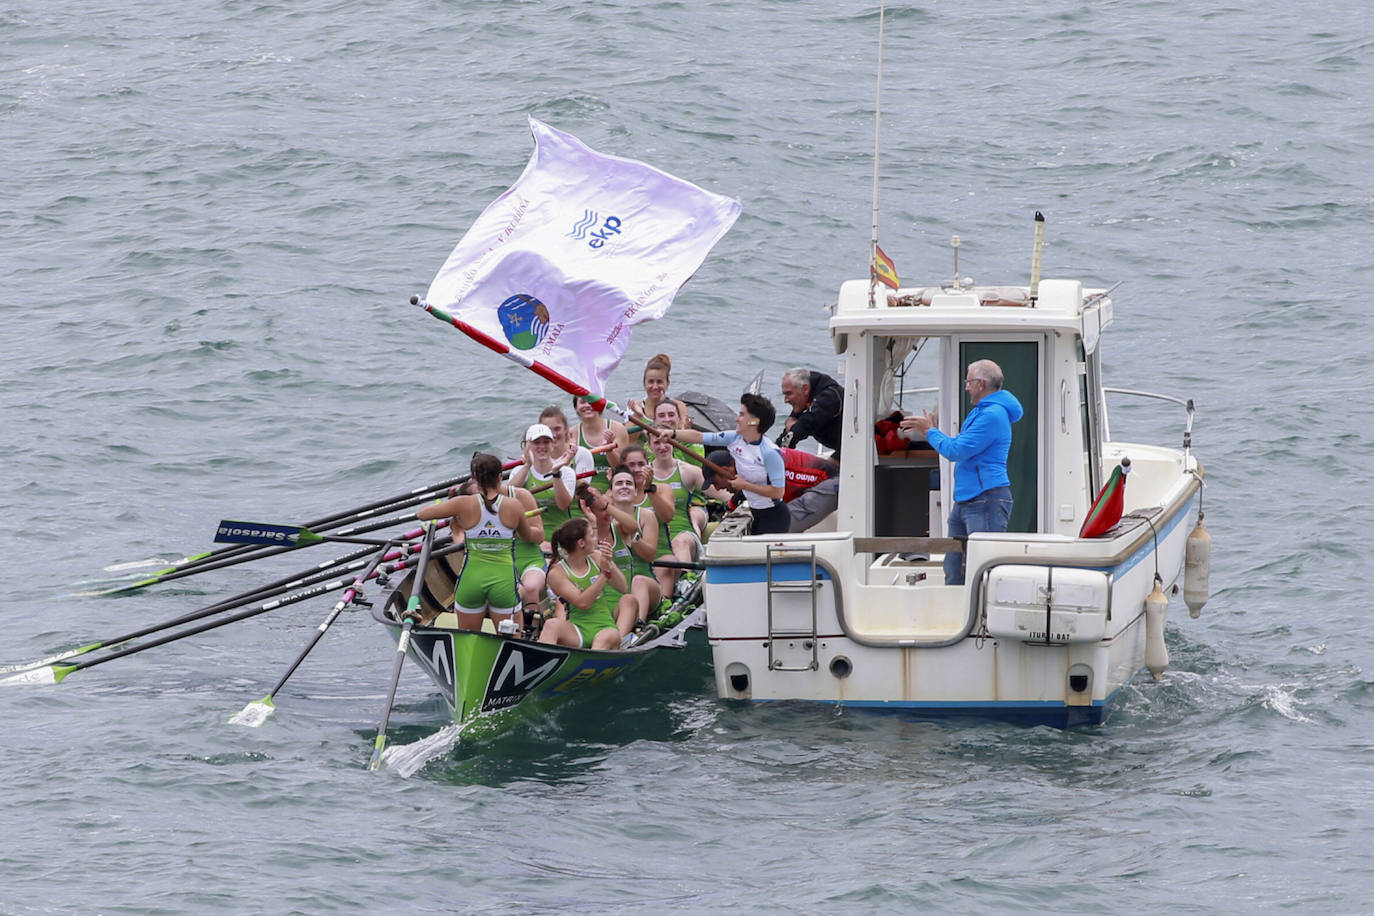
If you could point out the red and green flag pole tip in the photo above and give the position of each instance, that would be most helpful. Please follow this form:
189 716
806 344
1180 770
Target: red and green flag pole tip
598 402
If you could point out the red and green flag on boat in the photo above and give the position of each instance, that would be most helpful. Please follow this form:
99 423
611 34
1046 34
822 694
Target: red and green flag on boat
1105 512
583 247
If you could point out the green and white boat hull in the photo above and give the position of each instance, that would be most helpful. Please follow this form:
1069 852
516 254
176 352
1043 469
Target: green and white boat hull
484 674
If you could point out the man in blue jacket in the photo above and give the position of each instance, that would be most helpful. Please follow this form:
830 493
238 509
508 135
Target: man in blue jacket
982 489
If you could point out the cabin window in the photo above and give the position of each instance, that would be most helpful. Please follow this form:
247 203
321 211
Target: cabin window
906 478
1088 384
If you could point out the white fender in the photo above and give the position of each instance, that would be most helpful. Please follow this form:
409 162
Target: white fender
1197 567
1156 607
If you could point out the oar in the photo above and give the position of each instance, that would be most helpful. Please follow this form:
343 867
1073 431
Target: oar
408 618
410 498
256 712
260 553
677 564
55 674
271 589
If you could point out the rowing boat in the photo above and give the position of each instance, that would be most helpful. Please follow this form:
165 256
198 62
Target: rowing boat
501 677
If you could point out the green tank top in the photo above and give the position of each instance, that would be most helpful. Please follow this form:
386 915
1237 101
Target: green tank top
682 515
630 563
600 463
547 500
529 555
605 602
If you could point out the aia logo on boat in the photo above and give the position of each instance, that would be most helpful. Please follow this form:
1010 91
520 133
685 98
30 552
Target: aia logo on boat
525 321
596 231
519 669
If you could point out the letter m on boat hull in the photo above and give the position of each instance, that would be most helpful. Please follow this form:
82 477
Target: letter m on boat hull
517 671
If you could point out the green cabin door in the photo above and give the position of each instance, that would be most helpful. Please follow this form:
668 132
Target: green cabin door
1020 362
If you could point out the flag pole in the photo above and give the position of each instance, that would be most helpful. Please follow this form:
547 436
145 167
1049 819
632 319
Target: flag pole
877 128
597 401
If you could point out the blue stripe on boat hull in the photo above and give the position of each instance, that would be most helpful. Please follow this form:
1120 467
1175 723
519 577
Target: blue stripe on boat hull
1018 712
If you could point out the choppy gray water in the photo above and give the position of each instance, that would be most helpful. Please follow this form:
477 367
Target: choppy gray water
213 215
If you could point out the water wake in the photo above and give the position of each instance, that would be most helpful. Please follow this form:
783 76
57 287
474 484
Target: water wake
409 759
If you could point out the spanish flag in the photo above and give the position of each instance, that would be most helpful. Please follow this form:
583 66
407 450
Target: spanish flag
884 270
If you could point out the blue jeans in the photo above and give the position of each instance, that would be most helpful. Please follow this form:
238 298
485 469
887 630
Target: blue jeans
988 511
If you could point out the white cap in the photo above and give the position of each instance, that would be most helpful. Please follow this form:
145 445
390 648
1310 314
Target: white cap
538 431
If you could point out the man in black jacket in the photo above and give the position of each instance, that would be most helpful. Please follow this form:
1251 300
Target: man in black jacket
817 403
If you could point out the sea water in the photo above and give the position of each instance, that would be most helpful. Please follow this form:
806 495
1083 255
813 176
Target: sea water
213 216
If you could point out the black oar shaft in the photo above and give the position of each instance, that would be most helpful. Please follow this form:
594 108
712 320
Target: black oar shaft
264 552
410 498
308 577
303 595
402 644
343 602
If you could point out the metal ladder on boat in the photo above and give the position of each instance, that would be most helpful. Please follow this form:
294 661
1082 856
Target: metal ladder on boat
780 553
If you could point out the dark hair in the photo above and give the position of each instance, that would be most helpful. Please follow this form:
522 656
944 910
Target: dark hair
486 470
621 468
636 447
760 408
568 534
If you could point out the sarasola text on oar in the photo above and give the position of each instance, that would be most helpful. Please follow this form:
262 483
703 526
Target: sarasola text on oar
285 537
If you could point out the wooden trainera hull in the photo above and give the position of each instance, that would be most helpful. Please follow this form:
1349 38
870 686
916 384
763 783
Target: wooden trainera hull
486 674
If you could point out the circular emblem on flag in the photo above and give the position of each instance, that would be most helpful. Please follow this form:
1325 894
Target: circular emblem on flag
525 320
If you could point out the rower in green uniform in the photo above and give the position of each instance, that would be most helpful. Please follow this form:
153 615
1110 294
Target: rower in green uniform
492 519
681 536
586 584
594 431
554 483
633 532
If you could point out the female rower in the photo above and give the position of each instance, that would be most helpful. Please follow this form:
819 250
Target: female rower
633 533
491 520
586 578
565 450
680 537
759 470
555 485
594 430
648 495
656 372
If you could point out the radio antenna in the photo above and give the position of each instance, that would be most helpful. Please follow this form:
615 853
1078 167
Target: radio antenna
877 131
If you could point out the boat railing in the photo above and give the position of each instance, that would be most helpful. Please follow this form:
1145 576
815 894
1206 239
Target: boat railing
1185 403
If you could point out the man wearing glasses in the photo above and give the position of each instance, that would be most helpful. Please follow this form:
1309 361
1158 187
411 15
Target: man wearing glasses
982 489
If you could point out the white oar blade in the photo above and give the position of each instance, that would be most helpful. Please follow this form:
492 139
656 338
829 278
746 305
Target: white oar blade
42 662
44 675
254 714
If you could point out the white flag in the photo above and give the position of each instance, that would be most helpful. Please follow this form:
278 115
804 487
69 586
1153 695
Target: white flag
582 248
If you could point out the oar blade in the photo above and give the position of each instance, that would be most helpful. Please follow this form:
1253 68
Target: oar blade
120 589
263 534
45 675
50 660
254 714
